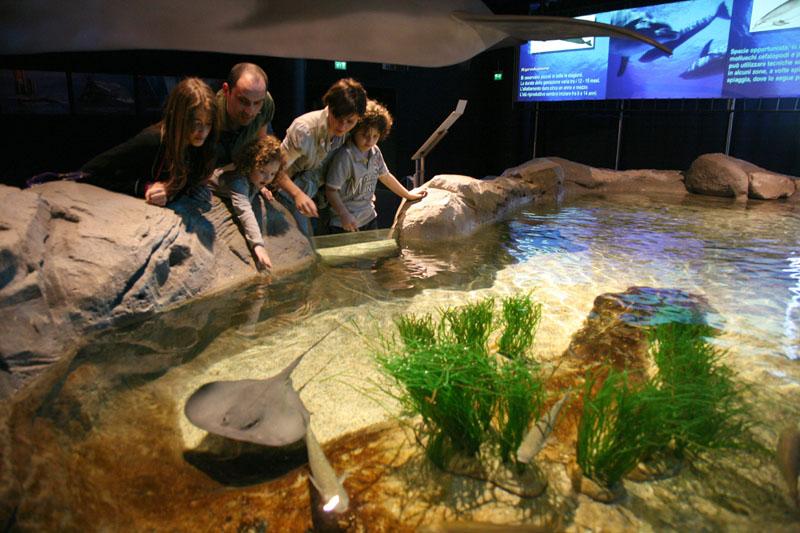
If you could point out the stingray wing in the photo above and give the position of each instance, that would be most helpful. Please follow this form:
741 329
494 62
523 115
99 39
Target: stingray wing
412 32
544 28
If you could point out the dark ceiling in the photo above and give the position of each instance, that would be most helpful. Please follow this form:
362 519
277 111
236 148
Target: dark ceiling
568 8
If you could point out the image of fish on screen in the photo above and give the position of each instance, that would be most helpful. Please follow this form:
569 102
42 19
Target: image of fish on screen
769 15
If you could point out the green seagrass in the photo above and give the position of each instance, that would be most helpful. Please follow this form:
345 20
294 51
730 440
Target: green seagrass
466 396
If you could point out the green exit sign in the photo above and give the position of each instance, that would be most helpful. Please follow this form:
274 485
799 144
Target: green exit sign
498 76
340 65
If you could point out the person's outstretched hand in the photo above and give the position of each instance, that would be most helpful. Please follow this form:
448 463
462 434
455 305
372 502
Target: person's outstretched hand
262 257
349 222
306 205
414 196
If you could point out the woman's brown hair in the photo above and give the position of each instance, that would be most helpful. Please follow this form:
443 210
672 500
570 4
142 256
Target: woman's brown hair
190 100
346 97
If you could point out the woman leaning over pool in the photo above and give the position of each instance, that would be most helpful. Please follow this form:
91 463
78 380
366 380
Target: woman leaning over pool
165 159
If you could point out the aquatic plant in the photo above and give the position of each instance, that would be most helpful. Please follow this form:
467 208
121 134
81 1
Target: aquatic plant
416 331
466 396
520 395
693 403
469 325
613 434
452 387
704 404
521 319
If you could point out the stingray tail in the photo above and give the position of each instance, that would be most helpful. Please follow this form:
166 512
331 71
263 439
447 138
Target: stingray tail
286 372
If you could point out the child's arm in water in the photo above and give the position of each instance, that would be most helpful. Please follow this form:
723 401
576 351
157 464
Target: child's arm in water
251 227
348 220
262 257
396 187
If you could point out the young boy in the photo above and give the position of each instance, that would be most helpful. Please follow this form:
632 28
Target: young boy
355 171
257 163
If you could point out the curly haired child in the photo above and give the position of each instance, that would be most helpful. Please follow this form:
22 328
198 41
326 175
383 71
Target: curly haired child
355 170
244 191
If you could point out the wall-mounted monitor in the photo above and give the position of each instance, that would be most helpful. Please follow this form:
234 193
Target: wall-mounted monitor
721 49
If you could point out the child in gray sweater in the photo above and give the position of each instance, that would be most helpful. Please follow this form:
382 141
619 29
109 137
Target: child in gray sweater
355 171
244 191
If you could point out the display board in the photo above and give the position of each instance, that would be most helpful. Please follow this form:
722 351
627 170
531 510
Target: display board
721 49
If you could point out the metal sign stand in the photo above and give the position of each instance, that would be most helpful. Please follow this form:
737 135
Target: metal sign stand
433 140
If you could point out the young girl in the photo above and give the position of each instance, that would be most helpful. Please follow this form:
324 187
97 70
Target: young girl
257 163
355 171
167 158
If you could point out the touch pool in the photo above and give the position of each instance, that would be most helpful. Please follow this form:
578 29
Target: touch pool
111 449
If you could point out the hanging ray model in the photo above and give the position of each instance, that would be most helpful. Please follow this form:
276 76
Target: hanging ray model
427 33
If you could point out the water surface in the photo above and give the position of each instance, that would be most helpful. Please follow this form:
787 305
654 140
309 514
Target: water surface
111 446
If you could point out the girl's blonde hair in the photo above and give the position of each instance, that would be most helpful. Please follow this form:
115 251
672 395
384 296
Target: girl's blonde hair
258 153
190 100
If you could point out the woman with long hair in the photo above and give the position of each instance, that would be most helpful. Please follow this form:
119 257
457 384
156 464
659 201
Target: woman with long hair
165 159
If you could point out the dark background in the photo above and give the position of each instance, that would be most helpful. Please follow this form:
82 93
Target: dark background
493 134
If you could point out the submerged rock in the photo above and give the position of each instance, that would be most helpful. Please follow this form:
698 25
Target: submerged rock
615 330
76 258
657 468
525 481
722 175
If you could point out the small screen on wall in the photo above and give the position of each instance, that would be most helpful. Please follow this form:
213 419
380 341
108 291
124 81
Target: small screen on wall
721 49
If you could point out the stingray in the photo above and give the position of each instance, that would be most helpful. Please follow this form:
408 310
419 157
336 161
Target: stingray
262 411
426 33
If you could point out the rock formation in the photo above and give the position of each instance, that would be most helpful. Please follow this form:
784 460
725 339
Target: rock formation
581 179
722 175
456 206
75 258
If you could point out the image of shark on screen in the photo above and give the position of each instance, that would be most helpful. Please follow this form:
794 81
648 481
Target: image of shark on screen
720 49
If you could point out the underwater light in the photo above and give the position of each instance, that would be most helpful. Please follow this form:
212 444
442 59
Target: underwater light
331 505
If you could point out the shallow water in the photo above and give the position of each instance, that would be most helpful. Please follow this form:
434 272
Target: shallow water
111 446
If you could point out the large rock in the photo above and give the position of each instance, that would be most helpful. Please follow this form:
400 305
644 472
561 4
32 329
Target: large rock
581 179
456 206
76 258
766 185
722 175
